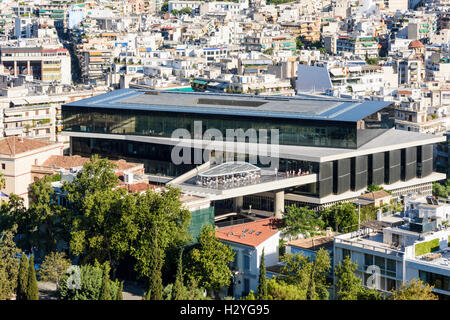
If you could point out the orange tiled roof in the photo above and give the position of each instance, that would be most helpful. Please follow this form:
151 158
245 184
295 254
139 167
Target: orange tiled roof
415 44
256 232
15 145
68 162
139 187
375 195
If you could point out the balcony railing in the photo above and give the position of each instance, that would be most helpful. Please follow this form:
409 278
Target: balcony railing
357 242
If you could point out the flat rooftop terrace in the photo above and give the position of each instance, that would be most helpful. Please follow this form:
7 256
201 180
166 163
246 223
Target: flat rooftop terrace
300 107
370 240
442 258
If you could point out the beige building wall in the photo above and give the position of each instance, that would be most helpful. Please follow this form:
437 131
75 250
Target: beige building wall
17 168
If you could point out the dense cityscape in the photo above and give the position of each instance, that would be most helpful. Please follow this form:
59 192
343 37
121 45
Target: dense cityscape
224 150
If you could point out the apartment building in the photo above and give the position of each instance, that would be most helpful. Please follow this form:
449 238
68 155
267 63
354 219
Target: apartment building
412 112
95 64
25 27
44 64
411 72
398 252
358 46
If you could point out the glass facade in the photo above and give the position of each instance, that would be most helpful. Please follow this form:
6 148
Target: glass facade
199 218
439 281
155 157
336 134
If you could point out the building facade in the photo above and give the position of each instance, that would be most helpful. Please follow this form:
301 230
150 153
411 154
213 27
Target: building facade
329 150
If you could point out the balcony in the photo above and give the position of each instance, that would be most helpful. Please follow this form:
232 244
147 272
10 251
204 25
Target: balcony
13 131
369 240
25 118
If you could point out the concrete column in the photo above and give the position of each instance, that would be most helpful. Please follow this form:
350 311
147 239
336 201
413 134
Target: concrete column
238 203
15 68
29 67
279 203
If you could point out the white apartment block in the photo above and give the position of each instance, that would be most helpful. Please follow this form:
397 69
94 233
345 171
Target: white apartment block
399 254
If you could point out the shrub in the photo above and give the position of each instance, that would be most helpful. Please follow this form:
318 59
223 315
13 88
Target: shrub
426 247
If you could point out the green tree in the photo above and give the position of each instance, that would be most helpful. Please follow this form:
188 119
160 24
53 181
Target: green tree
47 220
209 261
299 43
370 294
320 268
32 285
178 286
156 263
167 293
22 281
2 181
373 187
14 215
414 290
301 220
193 291
440 190
120 292
101 216
280 290
251 296
372 61
147 295
105 290
89 286
165 7
160 213
186 10
262 283
342 217
309 275
348 285
54 267
9 268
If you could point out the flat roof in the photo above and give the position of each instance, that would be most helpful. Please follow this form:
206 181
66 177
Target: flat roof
299 107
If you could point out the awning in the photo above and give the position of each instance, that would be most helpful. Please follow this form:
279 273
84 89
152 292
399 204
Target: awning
336 72
200 82
354 69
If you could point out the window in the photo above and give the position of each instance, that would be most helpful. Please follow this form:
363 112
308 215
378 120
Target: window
246 262
437 280
379 261
3 166
235 263
368 260
246 286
